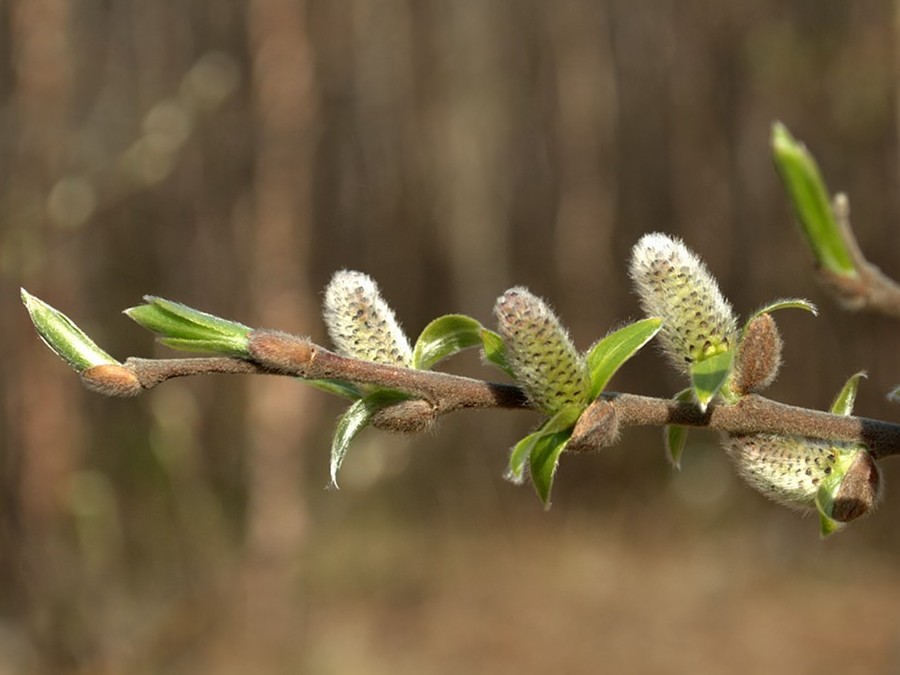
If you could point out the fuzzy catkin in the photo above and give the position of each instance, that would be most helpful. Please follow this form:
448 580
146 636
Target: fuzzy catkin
540 352
791 469
361 324
675 285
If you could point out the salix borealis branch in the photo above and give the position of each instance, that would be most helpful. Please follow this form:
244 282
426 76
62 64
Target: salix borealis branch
841 266
806 459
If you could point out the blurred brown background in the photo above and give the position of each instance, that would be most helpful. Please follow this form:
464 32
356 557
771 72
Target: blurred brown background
232 155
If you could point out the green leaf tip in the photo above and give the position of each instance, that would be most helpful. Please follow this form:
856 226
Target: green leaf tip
843 402
444 337
63 337
708 376
185 328
674 435
810 198
611 353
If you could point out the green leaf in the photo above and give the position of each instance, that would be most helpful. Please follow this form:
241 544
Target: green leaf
183 327
563 421
495 351
610 353
708 376
518 458
894 395
342 389
544 460
444 337
674 435
63 337
811 202
787 303
825 506
355 419
843 402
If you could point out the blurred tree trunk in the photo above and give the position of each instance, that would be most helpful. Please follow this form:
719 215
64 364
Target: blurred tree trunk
50 432
281 413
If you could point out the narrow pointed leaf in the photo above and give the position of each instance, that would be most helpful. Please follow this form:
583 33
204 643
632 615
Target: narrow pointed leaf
843 402
544 460
787 303
811 201
195 316
563 421
182 327
225 346
610 353
355 419
342 389
674 435
824 506
520 455
63 337
708 376
495 351
444 337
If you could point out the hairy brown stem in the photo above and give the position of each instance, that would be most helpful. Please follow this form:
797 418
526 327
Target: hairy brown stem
275 353
870 289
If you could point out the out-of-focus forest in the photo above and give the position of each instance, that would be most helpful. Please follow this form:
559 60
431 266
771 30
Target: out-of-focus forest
233 155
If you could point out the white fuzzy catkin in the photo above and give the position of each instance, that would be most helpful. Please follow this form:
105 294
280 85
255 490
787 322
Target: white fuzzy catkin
540 352
675 285
361 324
788 469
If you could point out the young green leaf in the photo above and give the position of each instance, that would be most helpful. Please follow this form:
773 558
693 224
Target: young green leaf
674 435
544 459
708 376
563 421
444 337
63 337
495 351
520 455
843 402
894 394
346 390
182 327
610 353
355 419
810 199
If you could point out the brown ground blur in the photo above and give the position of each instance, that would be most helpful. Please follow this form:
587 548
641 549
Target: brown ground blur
232 155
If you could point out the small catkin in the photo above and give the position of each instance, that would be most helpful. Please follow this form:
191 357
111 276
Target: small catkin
361 324
675 285
540 352
791 469
758 356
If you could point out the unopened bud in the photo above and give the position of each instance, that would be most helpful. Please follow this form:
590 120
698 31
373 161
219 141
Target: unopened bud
758 356
112 380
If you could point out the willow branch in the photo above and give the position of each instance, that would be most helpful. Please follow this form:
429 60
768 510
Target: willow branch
275 353
870 289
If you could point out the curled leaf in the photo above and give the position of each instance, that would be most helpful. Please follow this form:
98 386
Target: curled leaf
444 337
